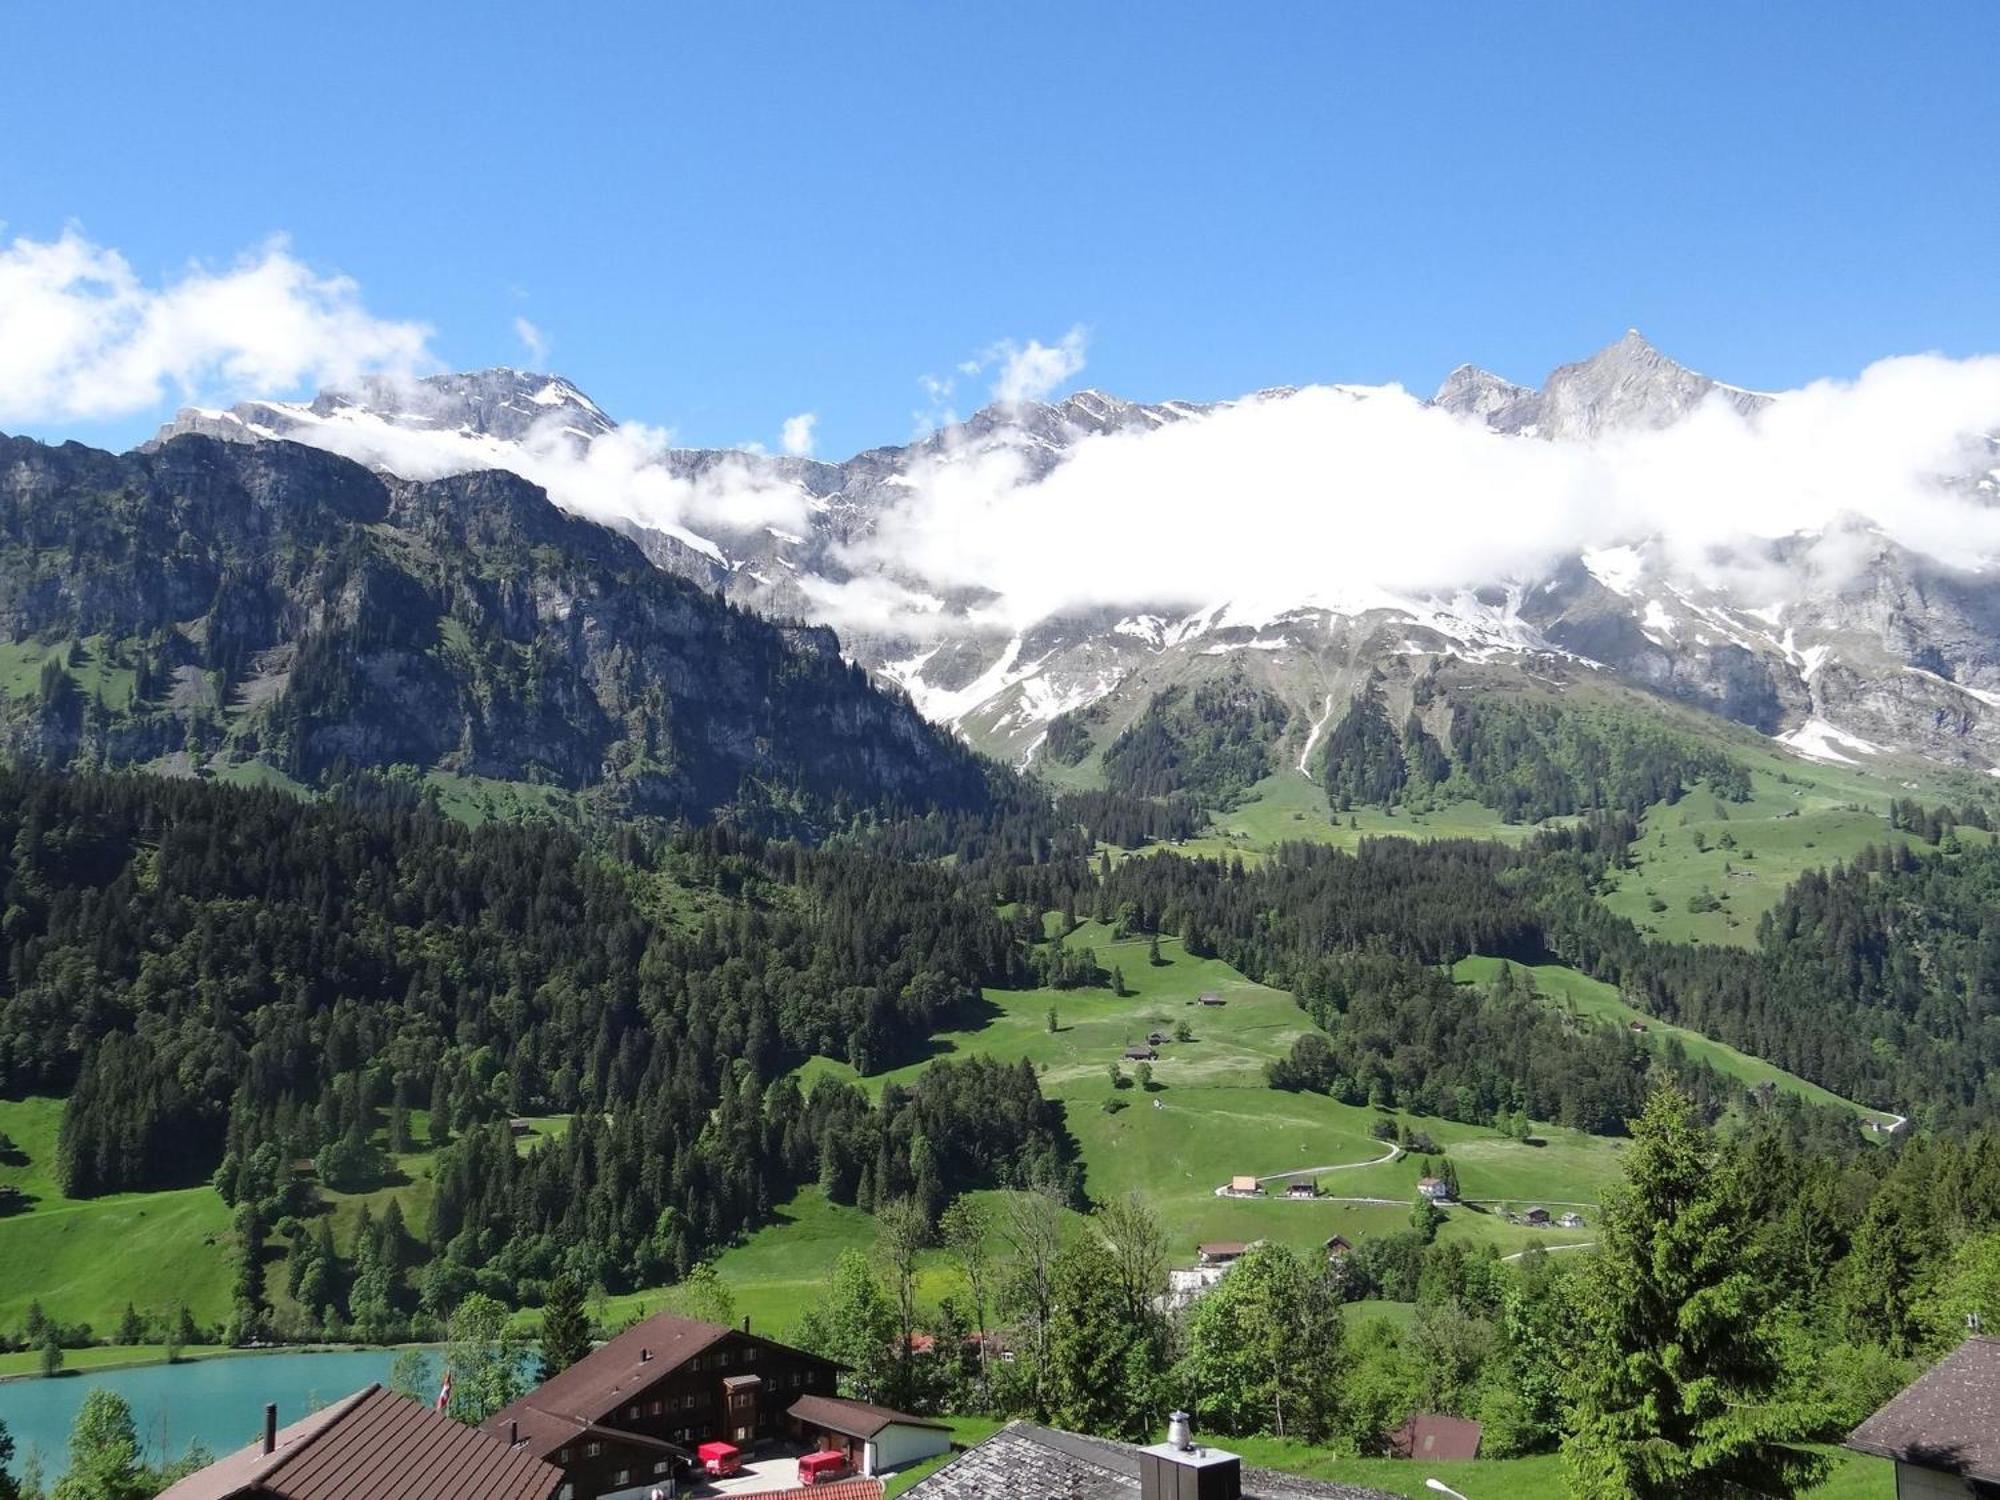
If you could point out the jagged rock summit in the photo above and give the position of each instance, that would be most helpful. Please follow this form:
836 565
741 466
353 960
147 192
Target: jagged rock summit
1626 385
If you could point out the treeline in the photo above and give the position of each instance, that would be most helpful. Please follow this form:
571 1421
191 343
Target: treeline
639 1197
1527 759
1878 979
195 966
1132 822
1211 742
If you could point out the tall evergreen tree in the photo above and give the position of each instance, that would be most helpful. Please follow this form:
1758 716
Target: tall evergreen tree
565 1328
1678 1388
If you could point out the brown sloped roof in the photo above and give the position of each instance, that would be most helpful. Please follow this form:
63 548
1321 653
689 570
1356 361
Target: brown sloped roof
1948 1421
611 1375
857 1419
375 1445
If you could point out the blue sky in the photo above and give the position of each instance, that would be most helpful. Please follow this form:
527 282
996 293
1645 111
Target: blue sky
721 217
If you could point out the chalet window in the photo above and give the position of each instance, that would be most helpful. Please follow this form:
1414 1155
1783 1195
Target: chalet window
663 1465
592 1450
623 1476
657 1407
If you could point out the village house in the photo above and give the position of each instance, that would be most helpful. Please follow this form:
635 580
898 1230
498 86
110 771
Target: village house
1337 1246
1301 1190
1158 1039
1943 1433
374 1443
1221 1252
1570 1220
637 1410
1245 1186
1436 1189
1212 1000
1140 1054
1536 1216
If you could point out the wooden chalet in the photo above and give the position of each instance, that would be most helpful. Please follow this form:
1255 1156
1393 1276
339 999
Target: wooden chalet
1141 1054
1221 1252
1337 1246
1301 1190
1211 999
629 1415
374 1443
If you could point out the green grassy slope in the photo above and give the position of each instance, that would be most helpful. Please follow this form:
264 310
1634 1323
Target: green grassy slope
85 1259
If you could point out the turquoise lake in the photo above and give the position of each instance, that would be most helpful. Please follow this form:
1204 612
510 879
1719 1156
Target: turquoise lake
217 1402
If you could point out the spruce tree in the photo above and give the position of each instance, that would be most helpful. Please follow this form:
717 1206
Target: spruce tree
1677 1386
565 1328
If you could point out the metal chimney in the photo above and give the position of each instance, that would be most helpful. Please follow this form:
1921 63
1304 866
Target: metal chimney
1178 1470
270 1427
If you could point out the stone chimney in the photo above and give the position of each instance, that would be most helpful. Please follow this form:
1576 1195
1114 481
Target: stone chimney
1180 1469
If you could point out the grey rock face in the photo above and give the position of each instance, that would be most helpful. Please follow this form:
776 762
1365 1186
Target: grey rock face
1625 386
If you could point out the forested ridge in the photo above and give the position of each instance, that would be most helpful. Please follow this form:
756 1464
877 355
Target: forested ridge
1528 759
221 976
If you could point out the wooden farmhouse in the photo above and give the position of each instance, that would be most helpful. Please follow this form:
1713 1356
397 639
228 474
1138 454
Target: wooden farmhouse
629 1415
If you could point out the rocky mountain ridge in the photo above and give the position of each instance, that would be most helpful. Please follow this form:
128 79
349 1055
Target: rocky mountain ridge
1899 656
206 606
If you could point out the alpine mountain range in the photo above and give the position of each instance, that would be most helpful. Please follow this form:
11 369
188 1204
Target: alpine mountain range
1889 653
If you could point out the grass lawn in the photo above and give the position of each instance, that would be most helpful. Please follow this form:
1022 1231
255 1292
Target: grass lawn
1583 996
84 1259
1536 1478
1286 806
103 1357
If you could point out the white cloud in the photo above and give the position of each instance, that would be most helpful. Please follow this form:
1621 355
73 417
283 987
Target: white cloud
622 476
1349 496
87 338
532 340
797 435
1034 370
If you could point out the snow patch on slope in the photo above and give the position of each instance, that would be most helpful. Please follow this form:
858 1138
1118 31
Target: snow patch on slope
1816 739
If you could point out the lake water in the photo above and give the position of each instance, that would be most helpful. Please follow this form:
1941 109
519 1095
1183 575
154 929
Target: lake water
217 1402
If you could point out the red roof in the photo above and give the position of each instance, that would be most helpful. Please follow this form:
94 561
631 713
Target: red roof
375 1443
830 1489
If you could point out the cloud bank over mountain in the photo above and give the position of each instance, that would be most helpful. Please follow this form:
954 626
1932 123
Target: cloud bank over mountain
1328 493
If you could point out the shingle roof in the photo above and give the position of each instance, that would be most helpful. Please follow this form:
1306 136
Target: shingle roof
589 1391
1949 1420
1025 1462
375 1445
857 1419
